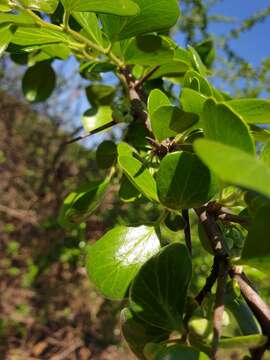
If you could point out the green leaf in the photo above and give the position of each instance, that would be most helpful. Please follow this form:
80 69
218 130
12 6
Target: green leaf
223 125
265 154
82 202
48 6
94 118
173 352
106 154
115 7
156 15
203 85
257 244
234 166
38 82
174 222
172 69
207 52
89 23
156 99
127 192
241 312
243 342
168 121
183 181
253 111
148 50
192 101
158 293
114 260
139 176
197 62
99 94
21 18
6 34
138 333
35 36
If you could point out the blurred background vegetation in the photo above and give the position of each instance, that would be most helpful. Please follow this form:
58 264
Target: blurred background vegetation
48 309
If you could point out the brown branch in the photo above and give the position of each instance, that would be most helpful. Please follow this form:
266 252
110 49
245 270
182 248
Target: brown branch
210 281
257 305
187 232
224 215
219 304
146 77
212 230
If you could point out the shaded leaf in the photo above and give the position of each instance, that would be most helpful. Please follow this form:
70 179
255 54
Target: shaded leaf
38 82
106 154
158 293
82 202
183 181
139 176
138 333
168 121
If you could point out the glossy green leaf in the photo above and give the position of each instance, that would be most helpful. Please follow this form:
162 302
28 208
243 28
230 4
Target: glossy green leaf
138 333
156 99
197 61
6 34
82 202
203 85
174 69
183 181
257 244
89 23
168 121
115 7
100 94
253 111
38 82
34 36
114 260
48 6
139 176
21 18
192 101
95 118
223 125
234 166
148 50
265 154
158 293
156 15
106 154
173 352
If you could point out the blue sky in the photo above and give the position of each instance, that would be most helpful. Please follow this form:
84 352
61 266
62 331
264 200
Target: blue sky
254 45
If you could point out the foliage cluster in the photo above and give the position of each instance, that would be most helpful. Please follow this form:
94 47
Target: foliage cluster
197 150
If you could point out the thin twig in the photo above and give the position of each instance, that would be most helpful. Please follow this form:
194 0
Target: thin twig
257 305
210 281
228 217
219 305
187 232
146 77
93 132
